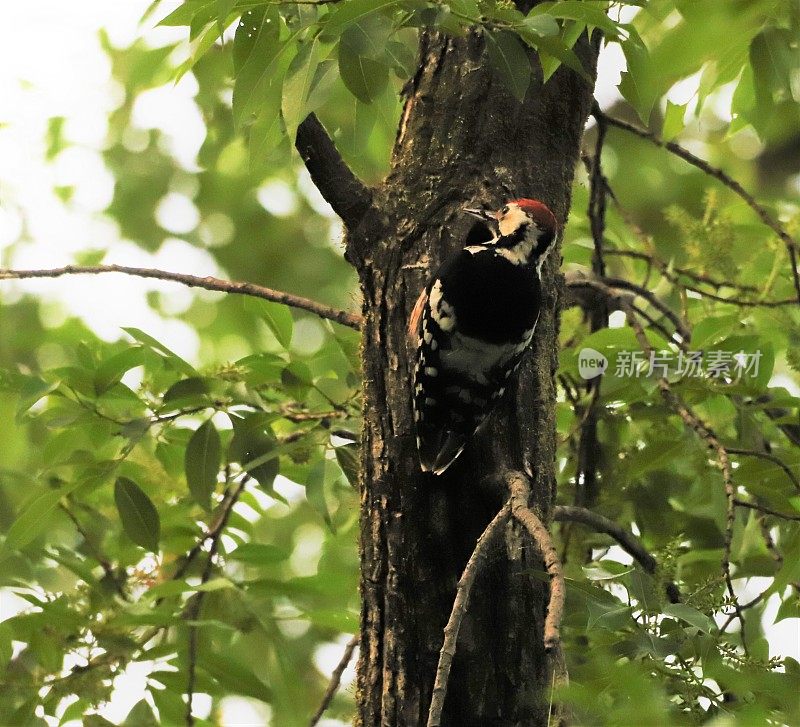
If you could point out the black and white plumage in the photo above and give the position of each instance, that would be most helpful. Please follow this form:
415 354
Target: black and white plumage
472 325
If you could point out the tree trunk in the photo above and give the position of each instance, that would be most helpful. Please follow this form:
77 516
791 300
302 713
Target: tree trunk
462 139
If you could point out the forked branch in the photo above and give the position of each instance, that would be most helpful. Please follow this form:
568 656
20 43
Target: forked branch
458 612
518 508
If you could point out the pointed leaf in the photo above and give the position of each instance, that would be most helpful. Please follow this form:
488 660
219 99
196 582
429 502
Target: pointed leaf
176 361
279 320
298 84
691 615
364 77
354 11
347 457
510 61
202 463
139 516
33 519
315 491
114 368
673 120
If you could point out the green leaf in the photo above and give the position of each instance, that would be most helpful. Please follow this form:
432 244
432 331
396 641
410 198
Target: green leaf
224 9
691 616
297 379
259 554
364 77
202 463
95 720
260 58
585 12
172 358
31 391
251 446
6 647
298 84
324 81
232 675
354 11
347 457
35 516
112 369
279 320
775 57
543 26
555 48
673 120
141 716
139 516
638 84
403 60
608 616
187 391
315 490
509 59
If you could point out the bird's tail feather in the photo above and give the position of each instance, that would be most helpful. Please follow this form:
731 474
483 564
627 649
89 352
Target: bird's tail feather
437 455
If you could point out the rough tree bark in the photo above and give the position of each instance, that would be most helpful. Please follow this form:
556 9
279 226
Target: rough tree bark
462 139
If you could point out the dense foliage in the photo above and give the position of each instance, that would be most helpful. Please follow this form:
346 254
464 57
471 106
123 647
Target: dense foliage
118 457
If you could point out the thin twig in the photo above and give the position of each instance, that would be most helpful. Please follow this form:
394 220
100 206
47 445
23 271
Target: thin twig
766 510
196 603
674 276
459 611
105 564
712 442
576 283
680 326
626 540
770 458
728 181
520 494
193 281
336 678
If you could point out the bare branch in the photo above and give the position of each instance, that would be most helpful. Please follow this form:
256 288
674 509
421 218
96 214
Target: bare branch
729 182
766 510
336 678
770 458
674 275
348 196
680 327
459 611
627 540
593 292
350 320
520 494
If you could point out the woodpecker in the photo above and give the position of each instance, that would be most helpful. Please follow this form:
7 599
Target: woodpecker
472 324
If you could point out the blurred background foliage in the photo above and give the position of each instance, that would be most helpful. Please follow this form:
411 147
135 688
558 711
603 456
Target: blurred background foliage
136 414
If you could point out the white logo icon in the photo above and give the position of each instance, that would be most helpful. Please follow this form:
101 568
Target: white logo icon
591 363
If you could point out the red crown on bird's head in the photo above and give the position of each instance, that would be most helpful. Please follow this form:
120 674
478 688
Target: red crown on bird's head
539 211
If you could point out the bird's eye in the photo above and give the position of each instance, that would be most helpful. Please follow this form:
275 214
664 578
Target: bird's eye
504 211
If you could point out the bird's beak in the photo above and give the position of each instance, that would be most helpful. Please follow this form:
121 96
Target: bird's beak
480 214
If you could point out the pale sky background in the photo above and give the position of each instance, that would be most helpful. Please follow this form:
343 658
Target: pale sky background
52 64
